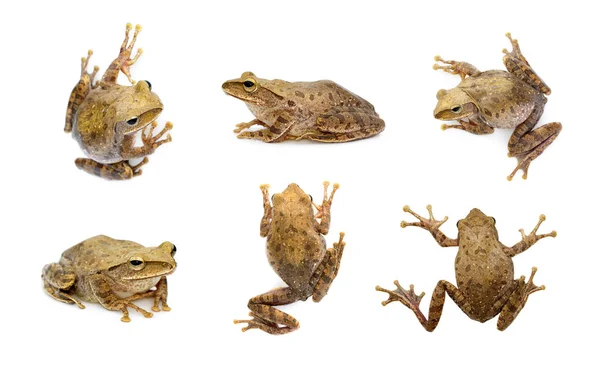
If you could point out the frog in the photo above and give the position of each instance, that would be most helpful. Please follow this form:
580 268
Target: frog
297 252
105 117
484 272
112 272
320 111
513 99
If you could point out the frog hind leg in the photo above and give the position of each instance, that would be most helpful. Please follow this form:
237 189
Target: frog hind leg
345 126
518 66
327 270
527 144
58 280
80 91
276 133
517 300
266 317
115 171
412 301
123 61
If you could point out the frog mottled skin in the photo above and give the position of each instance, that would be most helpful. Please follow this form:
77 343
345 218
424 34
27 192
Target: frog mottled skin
297 252
104 117
484 272
499 99
321 111
113 273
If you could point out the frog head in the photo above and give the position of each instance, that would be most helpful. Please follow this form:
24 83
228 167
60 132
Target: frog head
454 104
253 91
478 224
293 200
144 263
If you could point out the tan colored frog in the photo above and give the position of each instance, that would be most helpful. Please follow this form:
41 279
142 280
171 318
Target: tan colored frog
484 272
322 110
499 99
105 117
297 252
113 273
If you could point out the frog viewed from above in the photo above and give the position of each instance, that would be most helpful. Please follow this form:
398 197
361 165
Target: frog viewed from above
484 272
104 117
113 273
499 99
321 111
297 251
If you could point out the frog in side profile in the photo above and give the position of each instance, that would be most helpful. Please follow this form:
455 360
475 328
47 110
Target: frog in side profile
484 272
498 99
297 251
114 273
321 111
104 117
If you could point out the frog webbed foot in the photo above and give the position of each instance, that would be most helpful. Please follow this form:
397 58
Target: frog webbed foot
463 69
428 224
517 300
241 126
152 142
406 297
160 296
256 323
324 208
518 65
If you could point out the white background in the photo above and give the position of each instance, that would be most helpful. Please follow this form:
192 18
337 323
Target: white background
201 191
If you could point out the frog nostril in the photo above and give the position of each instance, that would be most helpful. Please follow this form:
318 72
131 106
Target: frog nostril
149 84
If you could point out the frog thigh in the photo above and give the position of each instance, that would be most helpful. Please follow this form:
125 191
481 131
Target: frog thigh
58 280
347 125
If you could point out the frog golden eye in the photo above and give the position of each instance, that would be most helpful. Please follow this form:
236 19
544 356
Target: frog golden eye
136 263
250 85
457 109
132 121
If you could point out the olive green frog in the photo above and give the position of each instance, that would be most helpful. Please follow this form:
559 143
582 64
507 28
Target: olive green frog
484 272
320 111
499 99
297 251
113 273
104 117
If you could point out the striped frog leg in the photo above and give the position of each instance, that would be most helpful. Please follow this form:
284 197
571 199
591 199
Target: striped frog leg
517 65
327 270
270 319
80 91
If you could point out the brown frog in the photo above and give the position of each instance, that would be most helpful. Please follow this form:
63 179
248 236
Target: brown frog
104 117
484 272
321 111
297 252
499 99
113 273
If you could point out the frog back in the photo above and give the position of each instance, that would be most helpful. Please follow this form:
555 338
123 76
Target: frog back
503 100
324 95
484 273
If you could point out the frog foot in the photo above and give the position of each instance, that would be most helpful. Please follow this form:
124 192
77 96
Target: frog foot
533 237
463 69
326 200
430 224
151 142
530 287
84 66
124 58
255 322
241 126
160 296
408 298
122 306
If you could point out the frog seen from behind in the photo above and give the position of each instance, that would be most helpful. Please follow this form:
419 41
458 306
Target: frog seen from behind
484 272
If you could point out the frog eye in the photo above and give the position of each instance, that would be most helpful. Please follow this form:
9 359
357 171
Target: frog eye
311 199
457 109
149 84
494 219
457 222
174 250
136 263
132 121
272 196
250 85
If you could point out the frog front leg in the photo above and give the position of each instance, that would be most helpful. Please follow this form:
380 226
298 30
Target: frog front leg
324 210
517 65
114 171
344 126
463 69
517 300
327 270
58 281
528 240
265 222
109 300
430 225
412 301
526 144
270 319
276 133
80 91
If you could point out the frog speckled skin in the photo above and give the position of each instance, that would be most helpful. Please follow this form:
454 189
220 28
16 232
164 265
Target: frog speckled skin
113 273
499 99
297 251
484 272
321 111
104 117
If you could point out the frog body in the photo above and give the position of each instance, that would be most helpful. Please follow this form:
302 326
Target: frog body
321 110
105 117
484 272
297 251
513 99
111 272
